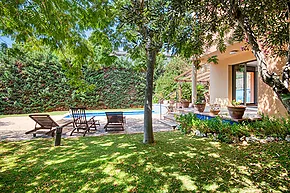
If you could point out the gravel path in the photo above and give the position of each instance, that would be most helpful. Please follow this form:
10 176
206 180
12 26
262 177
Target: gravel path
14 128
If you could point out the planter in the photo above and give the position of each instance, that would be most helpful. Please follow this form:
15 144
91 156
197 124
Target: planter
236 112
185 104
214 112
200 107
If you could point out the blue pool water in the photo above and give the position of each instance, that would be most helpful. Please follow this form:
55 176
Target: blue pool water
156 110
206 117
91 114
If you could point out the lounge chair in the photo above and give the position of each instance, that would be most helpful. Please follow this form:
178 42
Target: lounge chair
115 120
43 122
80 120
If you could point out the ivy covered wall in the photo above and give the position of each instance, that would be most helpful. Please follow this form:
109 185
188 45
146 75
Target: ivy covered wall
36 82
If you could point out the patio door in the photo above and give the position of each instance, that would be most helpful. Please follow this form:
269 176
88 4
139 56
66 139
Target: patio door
245 83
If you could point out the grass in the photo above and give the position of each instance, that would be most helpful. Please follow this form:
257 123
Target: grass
121 163
64 112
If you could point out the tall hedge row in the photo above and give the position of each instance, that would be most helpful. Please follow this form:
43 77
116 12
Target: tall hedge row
36 82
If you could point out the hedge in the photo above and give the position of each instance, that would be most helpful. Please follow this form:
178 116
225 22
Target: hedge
36 82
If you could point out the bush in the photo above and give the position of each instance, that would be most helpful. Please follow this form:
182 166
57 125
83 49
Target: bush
227 132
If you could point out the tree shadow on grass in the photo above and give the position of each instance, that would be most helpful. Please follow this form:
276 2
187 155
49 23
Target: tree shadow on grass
121 163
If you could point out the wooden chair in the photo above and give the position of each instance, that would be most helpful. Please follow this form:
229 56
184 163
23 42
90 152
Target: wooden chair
43 122
80 120
115 120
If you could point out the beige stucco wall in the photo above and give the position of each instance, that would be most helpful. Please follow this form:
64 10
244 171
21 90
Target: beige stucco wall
220 80
220 74
268 102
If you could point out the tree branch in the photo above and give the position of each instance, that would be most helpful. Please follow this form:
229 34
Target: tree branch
271 79
286 69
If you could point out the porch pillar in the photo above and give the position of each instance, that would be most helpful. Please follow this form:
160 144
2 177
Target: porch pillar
194 82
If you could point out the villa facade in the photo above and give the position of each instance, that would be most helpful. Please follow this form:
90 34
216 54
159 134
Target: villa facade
237 69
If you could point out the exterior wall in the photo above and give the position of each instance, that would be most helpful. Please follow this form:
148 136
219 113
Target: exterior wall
220 74
218 84
221 79
268 102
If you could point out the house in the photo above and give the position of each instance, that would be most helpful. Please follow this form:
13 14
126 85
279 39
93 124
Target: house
237 69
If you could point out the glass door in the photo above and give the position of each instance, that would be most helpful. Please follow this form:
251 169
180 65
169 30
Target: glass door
244 83
250 87
239 87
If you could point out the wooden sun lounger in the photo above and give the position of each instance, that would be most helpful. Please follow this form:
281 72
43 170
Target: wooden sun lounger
43 122
115 120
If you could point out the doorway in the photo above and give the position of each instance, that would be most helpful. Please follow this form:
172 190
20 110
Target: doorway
245 83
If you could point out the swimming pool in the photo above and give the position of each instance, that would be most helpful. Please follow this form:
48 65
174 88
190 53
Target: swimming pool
102 113
207 117
156 110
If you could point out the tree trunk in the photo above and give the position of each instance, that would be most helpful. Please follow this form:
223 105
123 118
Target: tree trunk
148 129
271 79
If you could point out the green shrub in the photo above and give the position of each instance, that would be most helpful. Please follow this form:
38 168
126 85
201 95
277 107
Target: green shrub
187 122
226 132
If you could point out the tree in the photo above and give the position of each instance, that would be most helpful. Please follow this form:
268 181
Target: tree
264 25
144 24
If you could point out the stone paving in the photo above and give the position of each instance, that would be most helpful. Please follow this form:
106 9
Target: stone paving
14 128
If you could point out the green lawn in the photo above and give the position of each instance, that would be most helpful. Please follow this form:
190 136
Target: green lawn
121 163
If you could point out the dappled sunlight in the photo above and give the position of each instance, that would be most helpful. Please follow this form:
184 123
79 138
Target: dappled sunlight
126 156
188 154
211 187
52 162
120 163
187 182
107 144
170 154
215 144
214 155
125 145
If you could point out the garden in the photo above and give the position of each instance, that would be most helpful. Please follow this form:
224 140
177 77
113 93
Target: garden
268 129
122 163
113 55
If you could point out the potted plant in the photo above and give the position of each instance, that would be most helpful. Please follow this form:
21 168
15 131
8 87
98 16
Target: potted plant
236 110
185 103
200 98
215 109
186 95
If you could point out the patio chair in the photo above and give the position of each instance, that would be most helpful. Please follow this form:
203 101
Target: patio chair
115 120
80 120
43 122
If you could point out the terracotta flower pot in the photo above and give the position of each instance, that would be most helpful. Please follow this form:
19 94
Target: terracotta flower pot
185 104
236 112
200 107
214 112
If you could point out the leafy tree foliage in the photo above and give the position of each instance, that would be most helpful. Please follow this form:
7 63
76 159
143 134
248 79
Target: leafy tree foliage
165 84
62 25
